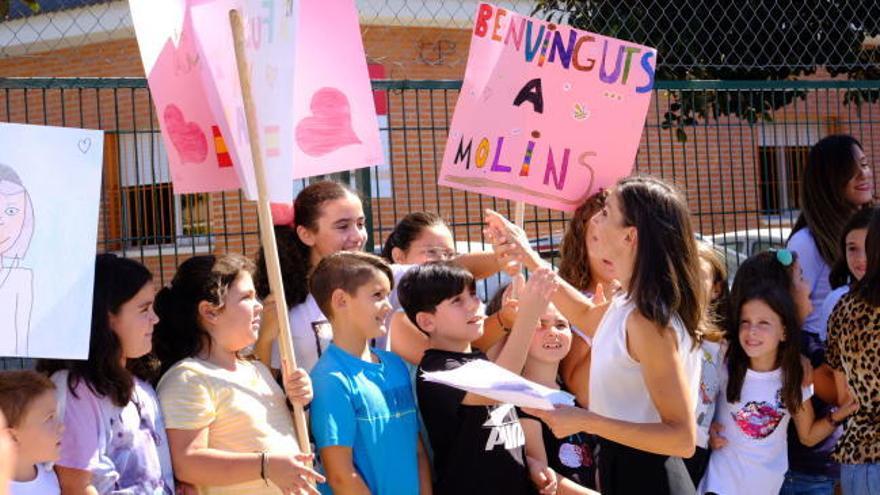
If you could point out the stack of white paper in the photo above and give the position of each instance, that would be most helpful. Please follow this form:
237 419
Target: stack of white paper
486 378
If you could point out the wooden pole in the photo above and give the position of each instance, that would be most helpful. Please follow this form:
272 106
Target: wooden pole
519 214
519 217
267 229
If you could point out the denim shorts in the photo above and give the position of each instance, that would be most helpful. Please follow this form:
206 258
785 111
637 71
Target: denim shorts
860 479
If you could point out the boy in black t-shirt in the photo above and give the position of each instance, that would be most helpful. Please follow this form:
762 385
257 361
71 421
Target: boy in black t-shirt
478 443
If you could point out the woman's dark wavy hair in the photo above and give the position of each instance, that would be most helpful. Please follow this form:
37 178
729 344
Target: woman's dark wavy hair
117 281
830 165
840 274
869 286
788 357
294 255
408 230
574 264
180 333
666 276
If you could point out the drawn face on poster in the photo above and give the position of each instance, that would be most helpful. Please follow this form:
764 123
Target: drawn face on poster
16 229
48 193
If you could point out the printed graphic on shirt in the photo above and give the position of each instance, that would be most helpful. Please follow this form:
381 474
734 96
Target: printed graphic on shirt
575 456
759 419
709 379
323 334
506 431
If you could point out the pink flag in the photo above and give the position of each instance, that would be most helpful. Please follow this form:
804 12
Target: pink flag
547 114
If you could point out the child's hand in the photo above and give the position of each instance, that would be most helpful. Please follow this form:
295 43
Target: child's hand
299 387
544 478
716 441
292 475
537 292
510 300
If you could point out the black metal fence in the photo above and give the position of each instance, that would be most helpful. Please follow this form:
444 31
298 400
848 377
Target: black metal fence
739 168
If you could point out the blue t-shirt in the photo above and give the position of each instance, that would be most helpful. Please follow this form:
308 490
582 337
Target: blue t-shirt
370 408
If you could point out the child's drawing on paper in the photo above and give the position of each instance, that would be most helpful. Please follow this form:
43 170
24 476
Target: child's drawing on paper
16 281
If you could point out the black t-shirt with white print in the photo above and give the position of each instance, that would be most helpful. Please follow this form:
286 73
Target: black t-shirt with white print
477 449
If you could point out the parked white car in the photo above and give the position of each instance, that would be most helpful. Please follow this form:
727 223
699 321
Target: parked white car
751 241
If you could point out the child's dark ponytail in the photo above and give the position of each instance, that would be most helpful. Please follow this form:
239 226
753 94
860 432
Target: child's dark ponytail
179 333
294 256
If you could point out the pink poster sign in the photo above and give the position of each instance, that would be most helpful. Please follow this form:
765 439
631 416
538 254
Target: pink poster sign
269 45
547 114
198 156
335 126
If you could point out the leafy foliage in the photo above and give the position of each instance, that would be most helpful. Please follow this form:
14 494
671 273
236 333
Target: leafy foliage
742 40
5 5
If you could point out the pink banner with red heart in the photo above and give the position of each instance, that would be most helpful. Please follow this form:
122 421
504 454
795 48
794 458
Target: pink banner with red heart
198 157
336 123
315 116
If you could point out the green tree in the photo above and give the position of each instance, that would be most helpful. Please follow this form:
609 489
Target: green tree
736 40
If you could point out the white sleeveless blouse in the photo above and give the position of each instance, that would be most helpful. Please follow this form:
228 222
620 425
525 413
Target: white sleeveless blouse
617 389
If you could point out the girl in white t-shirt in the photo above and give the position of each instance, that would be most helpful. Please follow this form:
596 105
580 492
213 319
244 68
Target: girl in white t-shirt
763 380
327 218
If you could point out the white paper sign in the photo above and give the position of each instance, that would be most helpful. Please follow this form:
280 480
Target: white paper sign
490 380
50 191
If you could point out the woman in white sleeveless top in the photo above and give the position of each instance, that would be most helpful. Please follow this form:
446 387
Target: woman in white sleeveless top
645 367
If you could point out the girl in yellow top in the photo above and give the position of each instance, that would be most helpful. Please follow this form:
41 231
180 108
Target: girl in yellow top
229 428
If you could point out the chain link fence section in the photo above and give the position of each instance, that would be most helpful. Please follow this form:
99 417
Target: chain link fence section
62 24
710 39
704 39
74 23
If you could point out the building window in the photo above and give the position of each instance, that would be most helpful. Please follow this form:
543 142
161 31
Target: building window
779 179
152 214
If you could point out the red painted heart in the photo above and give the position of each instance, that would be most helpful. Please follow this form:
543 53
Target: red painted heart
189 141
329 126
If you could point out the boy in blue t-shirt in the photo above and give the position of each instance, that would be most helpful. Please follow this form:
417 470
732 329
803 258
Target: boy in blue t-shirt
363 417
